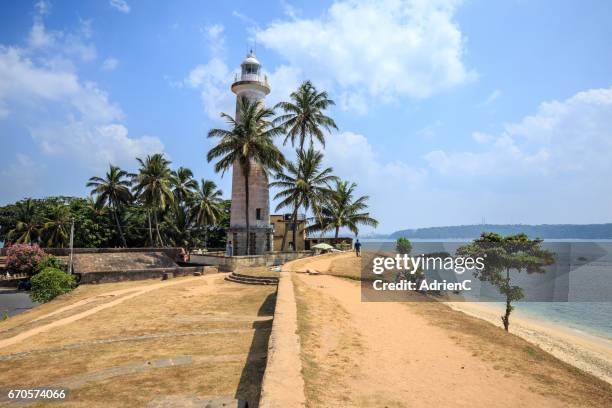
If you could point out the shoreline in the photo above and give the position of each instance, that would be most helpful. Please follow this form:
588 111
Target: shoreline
583 350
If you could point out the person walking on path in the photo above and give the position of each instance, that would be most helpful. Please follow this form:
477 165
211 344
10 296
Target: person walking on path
358 248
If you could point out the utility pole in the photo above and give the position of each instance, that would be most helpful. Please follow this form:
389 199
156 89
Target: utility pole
71 246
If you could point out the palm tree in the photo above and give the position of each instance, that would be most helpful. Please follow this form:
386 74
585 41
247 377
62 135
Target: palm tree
304 115
248 143
208 206
303 183
56 226
341 210
153 185
184 184
114 190
26 225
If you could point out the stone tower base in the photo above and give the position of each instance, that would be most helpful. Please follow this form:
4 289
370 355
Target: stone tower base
261 240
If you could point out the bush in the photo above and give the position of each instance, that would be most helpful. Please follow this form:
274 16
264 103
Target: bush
23 258
50 283
403 246
50 261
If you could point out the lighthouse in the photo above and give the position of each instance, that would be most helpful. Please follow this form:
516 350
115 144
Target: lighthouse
253 85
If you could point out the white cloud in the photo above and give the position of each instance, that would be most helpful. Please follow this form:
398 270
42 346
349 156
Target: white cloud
492 97
110 64
570 137
120 5
20 178
213 80
380 49
481 137
66 115
56 44
94 145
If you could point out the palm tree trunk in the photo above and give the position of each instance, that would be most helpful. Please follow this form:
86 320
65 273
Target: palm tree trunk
206 237
119 226
248 225
337 231
159 238
284 236
294 226
150 228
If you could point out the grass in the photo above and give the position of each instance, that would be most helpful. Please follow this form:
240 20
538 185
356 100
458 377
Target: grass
217 331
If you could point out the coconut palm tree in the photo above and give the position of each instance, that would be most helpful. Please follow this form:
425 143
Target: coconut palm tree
153 186
340 209
303 117
208 206
184 184
305 183
114 190
26 223
56 227
248 143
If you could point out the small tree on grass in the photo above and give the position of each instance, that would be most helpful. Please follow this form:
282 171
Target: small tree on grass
50 261
403 246
50 283
23 258
502 254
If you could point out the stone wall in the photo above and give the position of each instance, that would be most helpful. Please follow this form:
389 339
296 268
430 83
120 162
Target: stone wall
231 263
140 274
173 253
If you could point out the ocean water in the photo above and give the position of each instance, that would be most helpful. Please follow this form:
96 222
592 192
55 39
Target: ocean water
575 293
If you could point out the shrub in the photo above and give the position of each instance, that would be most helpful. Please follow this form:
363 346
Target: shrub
50 261
403 246
23 258
50 283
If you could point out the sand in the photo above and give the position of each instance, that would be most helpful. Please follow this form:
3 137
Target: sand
372 354
590 353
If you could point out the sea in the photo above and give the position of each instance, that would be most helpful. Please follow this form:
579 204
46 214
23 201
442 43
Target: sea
575 293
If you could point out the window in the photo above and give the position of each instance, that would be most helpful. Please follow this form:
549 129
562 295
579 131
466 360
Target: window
258 213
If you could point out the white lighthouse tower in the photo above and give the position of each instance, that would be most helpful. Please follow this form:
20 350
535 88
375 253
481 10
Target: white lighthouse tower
253 85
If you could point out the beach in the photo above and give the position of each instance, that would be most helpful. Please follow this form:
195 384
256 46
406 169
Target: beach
583 350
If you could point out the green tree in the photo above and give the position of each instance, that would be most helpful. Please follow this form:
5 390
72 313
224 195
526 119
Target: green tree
184 185
153 185
26 222
208 206
56 227
303 116
248 143
340 209
503 254
302 183
403 246
114 190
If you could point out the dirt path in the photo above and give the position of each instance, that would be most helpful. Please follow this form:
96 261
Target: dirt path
397 355
416 362
113 301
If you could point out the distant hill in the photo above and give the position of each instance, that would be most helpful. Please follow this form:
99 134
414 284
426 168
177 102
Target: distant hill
545 231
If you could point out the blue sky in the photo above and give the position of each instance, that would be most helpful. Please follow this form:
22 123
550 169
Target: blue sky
449 111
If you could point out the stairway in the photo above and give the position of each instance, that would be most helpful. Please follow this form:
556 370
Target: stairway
251 280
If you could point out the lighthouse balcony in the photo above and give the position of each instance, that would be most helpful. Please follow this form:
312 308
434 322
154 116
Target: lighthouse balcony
254 77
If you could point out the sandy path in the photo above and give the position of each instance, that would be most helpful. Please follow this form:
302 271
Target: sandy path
414 363
129 294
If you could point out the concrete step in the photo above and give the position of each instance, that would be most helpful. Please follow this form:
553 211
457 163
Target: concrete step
267 278
250 280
